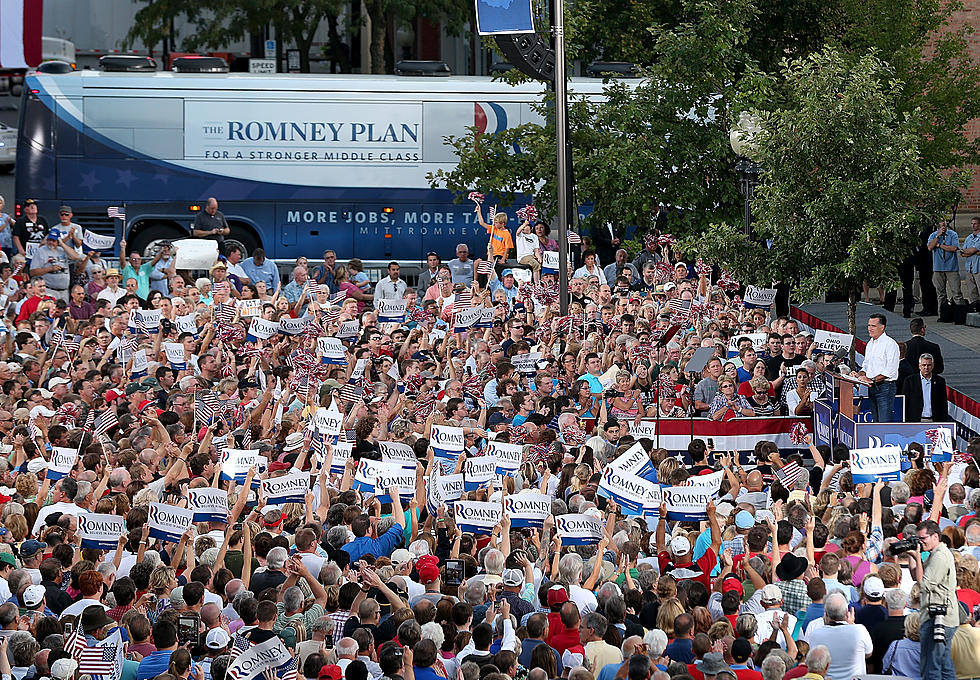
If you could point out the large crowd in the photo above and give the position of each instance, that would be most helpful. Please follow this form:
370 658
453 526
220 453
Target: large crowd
154 420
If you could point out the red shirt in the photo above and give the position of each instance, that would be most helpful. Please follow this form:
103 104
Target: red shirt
747 674
698 571
564 638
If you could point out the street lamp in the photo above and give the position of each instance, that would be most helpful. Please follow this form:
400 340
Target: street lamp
742 139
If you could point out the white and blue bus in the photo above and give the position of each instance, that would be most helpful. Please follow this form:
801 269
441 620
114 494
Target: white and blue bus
298 163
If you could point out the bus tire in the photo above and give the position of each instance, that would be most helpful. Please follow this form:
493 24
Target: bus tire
243 237
146 240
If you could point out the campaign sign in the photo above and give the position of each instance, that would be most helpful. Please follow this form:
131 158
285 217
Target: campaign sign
149 320
526 363
341 453
140 364
328 421
175 355
391 310
759 297
262 329
209 504
941 448
870 465
479 471
101 532
550 262
527 509
399 453
635 461
235 463
331 351
512 16
450 487
290 326
168 522
687 503
711 481
257 659
290 488
349 329
630 492
463 319
97 241
486 319
645 429
823 424
477 517
186 324
578 529
447 442
247 308
826 341
62 461
376 476
758 342
846 431
509 456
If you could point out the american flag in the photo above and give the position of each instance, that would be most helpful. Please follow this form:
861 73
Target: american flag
247 438
224 313
239 645
129 345
116 212
72 344
574 238
351 392
678 305
337 298
207 404
89 420
57 336
97 660
18 269
220 443
75 644
464 298
789 473
485 267
106 422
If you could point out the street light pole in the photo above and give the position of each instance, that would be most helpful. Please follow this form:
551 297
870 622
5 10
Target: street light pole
748 171
561 129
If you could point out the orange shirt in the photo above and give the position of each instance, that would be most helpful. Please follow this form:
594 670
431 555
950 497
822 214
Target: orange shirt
500 240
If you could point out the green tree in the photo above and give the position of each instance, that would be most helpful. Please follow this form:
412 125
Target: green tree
845 186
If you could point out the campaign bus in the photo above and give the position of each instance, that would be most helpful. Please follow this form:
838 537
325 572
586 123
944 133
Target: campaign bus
298 163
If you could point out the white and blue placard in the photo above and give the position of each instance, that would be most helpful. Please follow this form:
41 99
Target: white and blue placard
449 487
399 453
149 320
331 351
479 471
176 356
711 481
447 441
830 342
209 504
941 443
870 465
391 310
550 264
168 522
687 503
376 477
340 454
235 463
486 318
509 456
634 461
349 329
477 517
97 241
645 429
101 532
62 461
140 364
463 319
289 488
578 529
269 659
527 509
328 420
526 363
632 493
758 342
262 328
759 297
186 324
291 326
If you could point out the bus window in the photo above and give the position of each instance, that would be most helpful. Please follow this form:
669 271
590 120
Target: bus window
36 123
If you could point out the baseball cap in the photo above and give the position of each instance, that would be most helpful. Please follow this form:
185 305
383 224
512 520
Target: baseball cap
54 382
41 410
7 558
330 671
33 596
31 547
741 650
506 272
64 669
771 593
512 577
35 465
874 587
217 638
65 208
669 286
679 545
428 573
401 556
732 583
744 520
248 383
54 234
133 388
557 595
110 395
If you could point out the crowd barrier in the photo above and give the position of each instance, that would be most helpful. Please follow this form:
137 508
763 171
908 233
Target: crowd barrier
739 434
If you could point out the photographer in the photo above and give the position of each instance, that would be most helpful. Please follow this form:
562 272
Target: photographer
939 610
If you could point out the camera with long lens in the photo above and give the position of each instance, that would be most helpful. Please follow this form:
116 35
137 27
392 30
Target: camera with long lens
903 546
938 630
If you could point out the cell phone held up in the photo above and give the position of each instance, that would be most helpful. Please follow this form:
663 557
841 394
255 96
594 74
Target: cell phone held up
189 630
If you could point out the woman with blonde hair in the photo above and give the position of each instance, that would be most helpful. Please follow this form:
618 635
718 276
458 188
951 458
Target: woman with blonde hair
669 610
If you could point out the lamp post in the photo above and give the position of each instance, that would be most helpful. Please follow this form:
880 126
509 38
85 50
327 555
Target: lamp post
743 144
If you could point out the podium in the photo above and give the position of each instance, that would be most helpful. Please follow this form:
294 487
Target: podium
844 391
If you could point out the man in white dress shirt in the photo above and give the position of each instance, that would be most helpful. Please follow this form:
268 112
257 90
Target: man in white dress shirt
881 359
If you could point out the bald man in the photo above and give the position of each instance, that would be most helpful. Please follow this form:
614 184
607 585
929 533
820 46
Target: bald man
754 491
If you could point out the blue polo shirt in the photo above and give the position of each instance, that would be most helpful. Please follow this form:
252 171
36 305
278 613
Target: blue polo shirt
944 261
595 387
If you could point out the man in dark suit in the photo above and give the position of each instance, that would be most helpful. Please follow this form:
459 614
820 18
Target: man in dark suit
925 394
606 242
917 345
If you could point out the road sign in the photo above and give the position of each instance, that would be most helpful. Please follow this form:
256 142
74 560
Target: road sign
270 49
292 61
261 65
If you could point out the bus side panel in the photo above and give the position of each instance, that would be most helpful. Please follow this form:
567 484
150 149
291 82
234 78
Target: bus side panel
310 228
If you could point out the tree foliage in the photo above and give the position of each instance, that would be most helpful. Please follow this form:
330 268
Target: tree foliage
846 184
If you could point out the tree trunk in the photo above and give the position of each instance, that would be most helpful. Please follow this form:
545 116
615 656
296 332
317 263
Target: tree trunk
339 51
376 13
852 298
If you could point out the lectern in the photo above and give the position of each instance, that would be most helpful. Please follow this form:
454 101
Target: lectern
844 391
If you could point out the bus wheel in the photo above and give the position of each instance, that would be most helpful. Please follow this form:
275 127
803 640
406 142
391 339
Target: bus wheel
147 241
243 239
